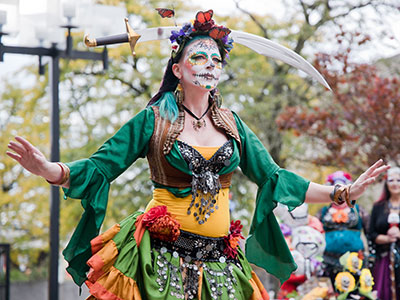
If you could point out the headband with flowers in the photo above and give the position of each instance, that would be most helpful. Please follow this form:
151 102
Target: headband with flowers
203 25
338 176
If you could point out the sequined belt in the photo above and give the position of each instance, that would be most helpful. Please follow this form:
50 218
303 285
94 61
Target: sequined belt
193 247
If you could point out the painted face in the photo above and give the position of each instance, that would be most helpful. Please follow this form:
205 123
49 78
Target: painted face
345 283
368 281
201 64
393 183
355 262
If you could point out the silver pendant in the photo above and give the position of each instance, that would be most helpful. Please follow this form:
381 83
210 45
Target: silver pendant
198 124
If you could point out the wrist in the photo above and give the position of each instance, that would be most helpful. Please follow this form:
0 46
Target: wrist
59 174
50 171
388 239
336 194
341 194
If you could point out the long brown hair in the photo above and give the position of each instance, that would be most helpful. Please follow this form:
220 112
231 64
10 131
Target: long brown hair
385 195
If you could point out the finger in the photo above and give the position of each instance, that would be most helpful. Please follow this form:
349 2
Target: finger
14 156
373 167
380 170
17 148
368 181
28 146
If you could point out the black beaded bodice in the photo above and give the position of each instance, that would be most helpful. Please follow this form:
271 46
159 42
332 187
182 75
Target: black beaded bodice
205 178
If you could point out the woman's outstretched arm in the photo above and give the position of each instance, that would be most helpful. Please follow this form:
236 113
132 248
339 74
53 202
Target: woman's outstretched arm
30 158
318 193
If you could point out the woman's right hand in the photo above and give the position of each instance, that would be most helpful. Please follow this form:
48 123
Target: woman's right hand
393 233
32 159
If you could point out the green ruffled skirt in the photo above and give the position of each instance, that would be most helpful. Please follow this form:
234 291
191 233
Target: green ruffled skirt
121 270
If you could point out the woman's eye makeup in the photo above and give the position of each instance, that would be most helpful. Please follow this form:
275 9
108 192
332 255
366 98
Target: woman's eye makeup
198 58
217 60
393 180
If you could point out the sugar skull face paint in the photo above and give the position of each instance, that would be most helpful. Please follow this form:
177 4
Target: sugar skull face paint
201 64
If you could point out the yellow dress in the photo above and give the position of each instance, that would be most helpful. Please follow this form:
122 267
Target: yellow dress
218 223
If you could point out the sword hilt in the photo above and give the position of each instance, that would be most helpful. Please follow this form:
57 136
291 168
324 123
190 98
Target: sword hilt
130 37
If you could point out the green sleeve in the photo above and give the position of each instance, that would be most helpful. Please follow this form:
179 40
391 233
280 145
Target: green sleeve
265 245
90 181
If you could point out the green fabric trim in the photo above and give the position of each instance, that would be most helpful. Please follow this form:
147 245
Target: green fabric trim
266 246
177 192
176 160
90 181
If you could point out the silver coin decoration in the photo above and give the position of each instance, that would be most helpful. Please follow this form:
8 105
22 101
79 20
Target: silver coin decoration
221 282
205 178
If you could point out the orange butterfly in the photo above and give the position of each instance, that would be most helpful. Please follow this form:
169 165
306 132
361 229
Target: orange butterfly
204 16
219 32
165 12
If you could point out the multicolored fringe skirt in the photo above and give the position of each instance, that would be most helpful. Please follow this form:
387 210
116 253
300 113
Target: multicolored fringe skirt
131 262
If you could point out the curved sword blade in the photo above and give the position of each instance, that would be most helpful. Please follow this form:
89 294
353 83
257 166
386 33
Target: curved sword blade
254 42
271 49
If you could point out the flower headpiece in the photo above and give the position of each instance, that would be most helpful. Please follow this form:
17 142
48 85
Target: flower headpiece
338 176
203 25
393 170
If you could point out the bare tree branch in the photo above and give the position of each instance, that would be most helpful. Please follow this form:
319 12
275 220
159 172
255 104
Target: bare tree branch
263 29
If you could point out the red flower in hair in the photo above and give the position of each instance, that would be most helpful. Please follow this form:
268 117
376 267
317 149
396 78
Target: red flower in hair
232 240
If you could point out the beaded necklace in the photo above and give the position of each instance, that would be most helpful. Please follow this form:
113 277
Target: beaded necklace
395 207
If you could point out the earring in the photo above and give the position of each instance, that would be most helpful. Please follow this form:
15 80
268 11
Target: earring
217 98
179 94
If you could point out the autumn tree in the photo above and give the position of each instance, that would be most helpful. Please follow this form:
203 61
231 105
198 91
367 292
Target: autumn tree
360 121
265 87
24 210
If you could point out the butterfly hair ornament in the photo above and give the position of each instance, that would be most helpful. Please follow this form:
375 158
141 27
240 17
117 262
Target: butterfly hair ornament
204 25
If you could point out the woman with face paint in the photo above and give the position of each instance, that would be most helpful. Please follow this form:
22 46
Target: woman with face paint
384 233
184 246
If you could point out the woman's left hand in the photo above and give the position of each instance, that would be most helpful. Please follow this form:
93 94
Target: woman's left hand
366 178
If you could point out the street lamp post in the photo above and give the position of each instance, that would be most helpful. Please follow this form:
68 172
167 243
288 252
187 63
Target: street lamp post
54 76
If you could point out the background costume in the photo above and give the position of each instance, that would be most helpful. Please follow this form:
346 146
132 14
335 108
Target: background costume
305 237
343 227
